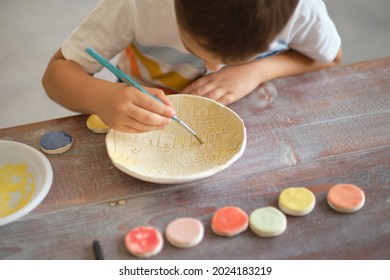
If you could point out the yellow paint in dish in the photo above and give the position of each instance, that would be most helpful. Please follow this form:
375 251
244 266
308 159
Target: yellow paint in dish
17 185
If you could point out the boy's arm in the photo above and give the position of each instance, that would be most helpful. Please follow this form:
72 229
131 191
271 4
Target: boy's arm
291 63
119 106
232 83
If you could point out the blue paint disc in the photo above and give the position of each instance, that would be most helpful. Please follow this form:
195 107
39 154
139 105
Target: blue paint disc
56 142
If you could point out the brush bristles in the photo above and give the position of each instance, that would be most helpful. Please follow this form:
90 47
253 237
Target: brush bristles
197 138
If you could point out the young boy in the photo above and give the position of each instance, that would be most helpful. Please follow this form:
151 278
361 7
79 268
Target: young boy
220 49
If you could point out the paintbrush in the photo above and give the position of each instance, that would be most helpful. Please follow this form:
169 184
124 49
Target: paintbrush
130 82
97 249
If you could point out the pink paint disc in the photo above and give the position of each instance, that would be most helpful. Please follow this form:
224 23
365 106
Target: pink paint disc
184 232
144 241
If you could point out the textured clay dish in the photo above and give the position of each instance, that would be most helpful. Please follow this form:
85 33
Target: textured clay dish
173 155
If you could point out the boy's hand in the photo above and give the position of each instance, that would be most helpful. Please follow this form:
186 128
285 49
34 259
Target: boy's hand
129 110
232 83
228 84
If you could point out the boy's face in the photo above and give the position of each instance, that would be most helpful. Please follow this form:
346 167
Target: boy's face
212 61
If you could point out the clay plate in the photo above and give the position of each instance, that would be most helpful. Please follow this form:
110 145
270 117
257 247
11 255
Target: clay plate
173 155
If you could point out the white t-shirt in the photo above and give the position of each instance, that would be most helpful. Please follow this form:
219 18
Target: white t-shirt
145 33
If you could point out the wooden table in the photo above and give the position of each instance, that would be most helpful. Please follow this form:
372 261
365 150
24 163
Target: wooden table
314 130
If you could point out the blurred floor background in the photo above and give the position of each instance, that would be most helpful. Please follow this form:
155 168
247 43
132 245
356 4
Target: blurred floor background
31 31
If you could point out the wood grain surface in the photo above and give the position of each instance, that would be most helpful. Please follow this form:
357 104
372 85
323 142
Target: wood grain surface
313 130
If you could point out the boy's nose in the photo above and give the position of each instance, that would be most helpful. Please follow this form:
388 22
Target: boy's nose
212 66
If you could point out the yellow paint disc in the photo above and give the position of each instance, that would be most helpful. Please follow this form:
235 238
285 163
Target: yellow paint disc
95 124
296 201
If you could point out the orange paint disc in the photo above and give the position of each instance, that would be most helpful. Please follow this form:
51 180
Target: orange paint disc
144 241
346 198
229 221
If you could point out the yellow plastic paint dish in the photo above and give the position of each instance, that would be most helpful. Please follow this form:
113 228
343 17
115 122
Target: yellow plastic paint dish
296 201
25 179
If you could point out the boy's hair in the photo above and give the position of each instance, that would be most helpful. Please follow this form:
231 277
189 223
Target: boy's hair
234 30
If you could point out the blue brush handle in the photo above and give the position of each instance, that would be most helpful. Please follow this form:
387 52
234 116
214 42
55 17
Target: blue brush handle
117 72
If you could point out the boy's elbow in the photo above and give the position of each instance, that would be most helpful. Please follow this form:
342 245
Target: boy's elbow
47 78
46 82
339 56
